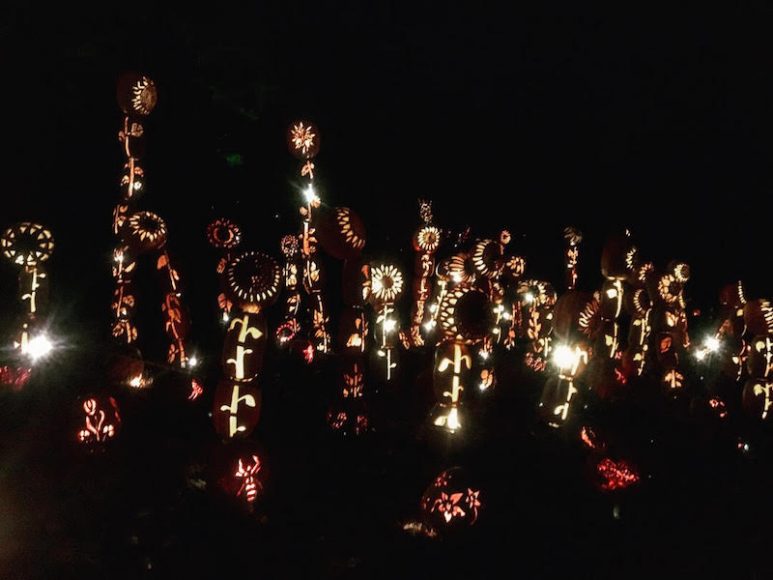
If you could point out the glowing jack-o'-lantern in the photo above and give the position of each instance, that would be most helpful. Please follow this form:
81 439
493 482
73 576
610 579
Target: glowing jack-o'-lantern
452 372
136 94
244 345
126 367
356 283
100 421
144 231
427 239
303 140
341 232
223 234
253 279
451 502
352 331
239 470
487 258
236 408
758 316
386 284
760 357
567 313
617 257
465 314
132 181
27 244
758 398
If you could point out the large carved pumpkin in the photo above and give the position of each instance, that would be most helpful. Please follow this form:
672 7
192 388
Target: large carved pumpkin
236 408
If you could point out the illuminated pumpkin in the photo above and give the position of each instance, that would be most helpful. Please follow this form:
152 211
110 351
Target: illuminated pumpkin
356 284
100 421
567 313
244 345
617 257
132 181
136 94
253 279
386 284
33 290
465 314
239 472
341 232
451 502
14 377
758 398
223 234
487 258
144 231
126 367
349 417
427 239
758 316
452 372
457 269
352 330
556 402
27 244
132 137
236 408
303 140
759 360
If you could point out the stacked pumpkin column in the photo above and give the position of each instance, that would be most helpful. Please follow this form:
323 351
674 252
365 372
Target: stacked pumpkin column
142 232
28 245
758 391
303 141
426 241
252 282
225 236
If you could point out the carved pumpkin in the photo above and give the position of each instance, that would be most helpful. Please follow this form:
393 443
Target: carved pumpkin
236 408
253 279
33 290
132 181
223 234
356 282
132 138
758 316
341 232
567 312
386 284
100 421
244 346
126 367
27 244
452 372
557 400
427 239
758 398
760 357
144 231
136 94
487 258
451 502
303 140
352 331
616 257
466 314
239 471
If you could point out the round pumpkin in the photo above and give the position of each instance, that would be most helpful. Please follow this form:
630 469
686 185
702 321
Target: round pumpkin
253 279
136 94
340 232
452 502
303 140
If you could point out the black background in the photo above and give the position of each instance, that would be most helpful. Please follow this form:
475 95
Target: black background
529 117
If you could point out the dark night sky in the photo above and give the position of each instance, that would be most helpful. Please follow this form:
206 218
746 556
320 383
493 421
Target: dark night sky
655 119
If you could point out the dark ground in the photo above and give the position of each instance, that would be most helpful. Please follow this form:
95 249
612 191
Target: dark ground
654 119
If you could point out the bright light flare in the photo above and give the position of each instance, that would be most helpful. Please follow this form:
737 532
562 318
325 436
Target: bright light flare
39 347
528 297
390 324
711 344
310 195
564 357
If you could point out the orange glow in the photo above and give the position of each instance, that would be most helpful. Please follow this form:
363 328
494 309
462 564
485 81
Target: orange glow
196 390
616 475
248 471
